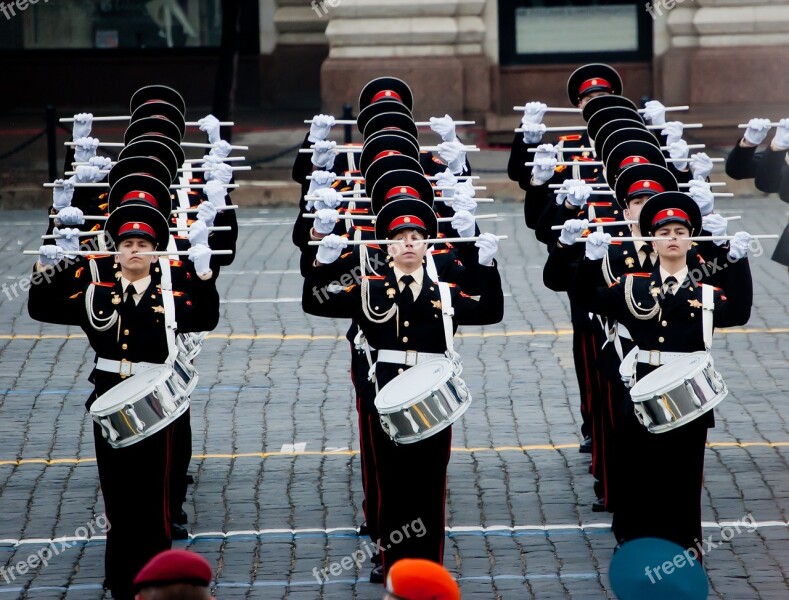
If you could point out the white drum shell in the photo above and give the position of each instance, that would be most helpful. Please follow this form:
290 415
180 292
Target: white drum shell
671 395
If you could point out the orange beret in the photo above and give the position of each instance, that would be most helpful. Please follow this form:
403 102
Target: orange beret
174 566
420 579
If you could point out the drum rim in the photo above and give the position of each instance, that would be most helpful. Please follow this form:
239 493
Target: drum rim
166 372
437 429
161 424
402 406
684 419
668 387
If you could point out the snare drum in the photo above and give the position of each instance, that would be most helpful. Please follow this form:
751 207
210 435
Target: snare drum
190 344
185 375
422 401
139 406
678 392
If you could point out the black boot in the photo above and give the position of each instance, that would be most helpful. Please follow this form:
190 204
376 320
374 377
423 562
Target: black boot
377 574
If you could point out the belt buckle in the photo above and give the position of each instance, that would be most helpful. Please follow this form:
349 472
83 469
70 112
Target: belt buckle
125 369
411 357
656 361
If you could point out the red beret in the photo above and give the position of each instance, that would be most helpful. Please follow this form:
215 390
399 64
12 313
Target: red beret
174 566
420 579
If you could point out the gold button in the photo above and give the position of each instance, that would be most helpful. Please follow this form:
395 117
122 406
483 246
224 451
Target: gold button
664 323
616 212
406 323
405 340
399 371
661 339
101 312
125 332
621 233
691 314
153 296
124 346
432 288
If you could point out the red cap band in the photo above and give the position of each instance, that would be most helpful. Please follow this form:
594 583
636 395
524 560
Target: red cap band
140 195
386 94
645 185
137 227
594 82
407 220
386 153
667 213
402 189
633 160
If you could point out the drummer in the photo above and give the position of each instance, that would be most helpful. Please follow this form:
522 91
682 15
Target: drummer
124 323
663 313
401 311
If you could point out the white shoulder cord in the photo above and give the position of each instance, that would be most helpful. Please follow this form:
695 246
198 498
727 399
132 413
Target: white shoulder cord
183 202
447 312
94 269
708 308
94 320
169 309
639 313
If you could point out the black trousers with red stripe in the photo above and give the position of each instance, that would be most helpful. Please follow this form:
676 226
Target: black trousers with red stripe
182 456
135 484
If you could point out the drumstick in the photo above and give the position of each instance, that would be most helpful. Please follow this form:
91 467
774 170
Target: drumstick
358 149
427 241
361 177
127 117
716 238
346 215
557 109
435 187
597 163
183 145
365 199
187 161
613 223
605 185
630 239
417 123
113 253
101 232
175 186
745 125
174 211
611 193
182 170
583 127
563 149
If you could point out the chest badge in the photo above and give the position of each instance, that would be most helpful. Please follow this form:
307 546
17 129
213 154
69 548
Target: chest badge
655 292
158 309
390 293
629 262
116 299
436 304
694 303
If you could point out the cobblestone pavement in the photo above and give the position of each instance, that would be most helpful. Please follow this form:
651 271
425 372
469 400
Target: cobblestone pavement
276 468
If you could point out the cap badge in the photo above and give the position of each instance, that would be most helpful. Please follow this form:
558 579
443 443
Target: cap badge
406 219
670 212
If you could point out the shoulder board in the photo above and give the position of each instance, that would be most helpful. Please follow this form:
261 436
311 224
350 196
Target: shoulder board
78 272
102 196
602 204
77 295
465 295
717 289
641 274
437 160
193 193
603 220
452 284
579 158
701 258
176 293
96 256
364 228
590 179
106 284
570 138
95 227
356 211
374 277
560 168
349 288
335 184
346 254
176 263
613 283
346 188
440 252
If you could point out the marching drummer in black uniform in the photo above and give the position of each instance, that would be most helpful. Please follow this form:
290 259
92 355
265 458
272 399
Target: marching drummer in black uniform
401 311
663 313
124 321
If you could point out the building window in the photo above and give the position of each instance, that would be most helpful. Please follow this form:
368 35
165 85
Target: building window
564 31
110 24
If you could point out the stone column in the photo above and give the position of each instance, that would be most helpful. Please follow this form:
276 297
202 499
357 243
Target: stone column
436 46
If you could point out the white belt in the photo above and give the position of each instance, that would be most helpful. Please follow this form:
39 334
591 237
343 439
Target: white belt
124 367
657 358
406 357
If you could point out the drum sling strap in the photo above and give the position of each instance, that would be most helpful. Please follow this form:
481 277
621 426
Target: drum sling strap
170 324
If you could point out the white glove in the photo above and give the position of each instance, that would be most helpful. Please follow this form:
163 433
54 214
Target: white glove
200 255
210 125
738 247
575 191
220 149
446 179
532 132
571 230
655 112
222 173
781 139
461 201
102 162
330 249
69 240
325 220
70 215
328 198
673 131
445 127
545 159
702 196
700 166
215 193
453 155
757 130
206 213
88 174
50 255
320 128
320 180
533 113
85 148
715 225
679 150
198 233
488 245
62 193
465 187
323 155
82 125
210 161
464 223
597 245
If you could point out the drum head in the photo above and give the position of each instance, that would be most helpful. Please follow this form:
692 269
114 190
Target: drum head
667 377
129 390
413 385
